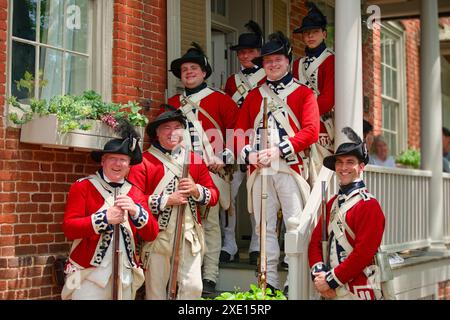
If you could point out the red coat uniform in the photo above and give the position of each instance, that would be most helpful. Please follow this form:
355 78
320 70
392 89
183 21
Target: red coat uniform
366 220
303 105
83 202
222 109
325 85
150 171
231 88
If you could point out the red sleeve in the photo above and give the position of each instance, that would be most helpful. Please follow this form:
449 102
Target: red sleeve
200 173
150 230
295 68
229 111
366 219
309 119
230 86
77 221
326 86
244 121
315 244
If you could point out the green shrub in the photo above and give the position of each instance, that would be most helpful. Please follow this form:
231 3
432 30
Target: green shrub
410 158
255 293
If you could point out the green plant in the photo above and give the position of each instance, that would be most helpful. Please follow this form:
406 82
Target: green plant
410 157
255 293
28 81
73 111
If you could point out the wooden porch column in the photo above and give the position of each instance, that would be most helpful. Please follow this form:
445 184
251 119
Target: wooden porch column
431 115
348 69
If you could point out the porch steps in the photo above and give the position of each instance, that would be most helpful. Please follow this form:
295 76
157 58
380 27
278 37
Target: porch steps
237 276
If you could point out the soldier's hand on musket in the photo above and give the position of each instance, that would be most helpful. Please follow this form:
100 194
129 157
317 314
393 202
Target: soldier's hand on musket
177 198
115 215
215 164
254 160
124 202
266 156
320 282
188 188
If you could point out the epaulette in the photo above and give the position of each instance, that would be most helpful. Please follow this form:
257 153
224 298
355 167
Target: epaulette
365 194
82 179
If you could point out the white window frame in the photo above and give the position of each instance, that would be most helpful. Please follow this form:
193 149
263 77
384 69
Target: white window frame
394 30
99 48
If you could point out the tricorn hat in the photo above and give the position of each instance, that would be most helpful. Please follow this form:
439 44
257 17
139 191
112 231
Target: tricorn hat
171 114
278 44
250 40
128 144
314 19
194 54
356 148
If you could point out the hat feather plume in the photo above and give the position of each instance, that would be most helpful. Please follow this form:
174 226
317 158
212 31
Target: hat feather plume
252 26
126 131
351 135
198 48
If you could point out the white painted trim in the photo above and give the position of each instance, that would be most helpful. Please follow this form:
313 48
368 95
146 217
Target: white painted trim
174 44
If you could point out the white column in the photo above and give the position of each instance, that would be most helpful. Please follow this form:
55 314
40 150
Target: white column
348 69
431 115
173 42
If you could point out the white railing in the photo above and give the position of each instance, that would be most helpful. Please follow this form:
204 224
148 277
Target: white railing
446 187
404 196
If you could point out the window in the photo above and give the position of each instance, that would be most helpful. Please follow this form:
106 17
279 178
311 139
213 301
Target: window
219 7
50 42
392 77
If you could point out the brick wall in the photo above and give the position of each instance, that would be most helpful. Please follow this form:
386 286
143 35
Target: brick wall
139 53
34 180
298 11
444 290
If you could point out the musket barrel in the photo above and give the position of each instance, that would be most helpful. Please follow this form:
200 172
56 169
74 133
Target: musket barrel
116 256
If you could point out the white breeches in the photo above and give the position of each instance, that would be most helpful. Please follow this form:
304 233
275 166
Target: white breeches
89 290
213 241
189 276
283 192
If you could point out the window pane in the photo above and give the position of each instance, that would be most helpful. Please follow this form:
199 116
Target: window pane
394 54
52 22
388 82
22 61
221 7
24 19
394 84
50 65
76 74
383 79
77 25
386 115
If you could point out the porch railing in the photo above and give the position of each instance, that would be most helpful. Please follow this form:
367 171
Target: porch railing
446 183
403 195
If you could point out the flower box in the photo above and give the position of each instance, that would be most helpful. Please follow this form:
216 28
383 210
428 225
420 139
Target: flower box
44 131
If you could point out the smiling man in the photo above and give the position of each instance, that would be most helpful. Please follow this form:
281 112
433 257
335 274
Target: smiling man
293 123
355 225
159 176
91 212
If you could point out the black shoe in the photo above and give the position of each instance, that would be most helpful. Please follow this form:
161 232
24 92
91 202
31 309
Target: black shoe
271 287
253 258
209 286
286 291
226 257
284 265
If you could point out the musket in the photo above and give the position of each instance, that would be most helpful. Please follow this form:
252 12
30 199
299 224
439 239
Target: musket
262 265
323 208
116 283
172 286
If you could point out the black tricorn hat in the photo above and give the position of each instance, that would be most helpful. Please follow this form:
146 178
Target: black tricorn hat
172 114
128 144
314 19
356 148
277 44
250 40
194 54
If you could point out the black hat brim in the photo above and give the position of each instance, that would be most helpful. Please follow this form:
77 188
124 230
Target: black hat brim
118 146
175 66
355 150
259 60
152 126
238 47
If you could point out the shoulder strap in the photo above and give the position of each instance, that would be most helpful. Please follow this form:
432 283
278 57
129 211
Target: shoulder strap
168 176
